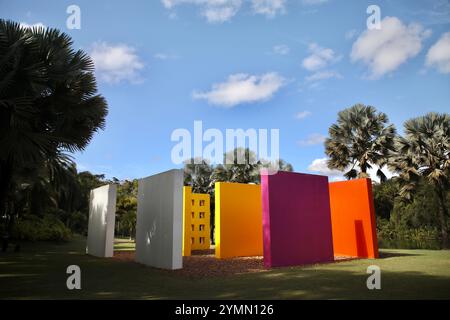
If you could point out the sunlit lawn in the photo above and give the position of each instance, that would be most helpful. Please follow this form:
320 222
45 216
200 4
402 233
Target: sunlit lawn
39 271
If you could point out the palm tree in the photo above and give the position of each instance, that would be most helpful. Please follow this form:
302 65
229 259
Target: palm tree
241 166
360 138
424 151
198 175
48 101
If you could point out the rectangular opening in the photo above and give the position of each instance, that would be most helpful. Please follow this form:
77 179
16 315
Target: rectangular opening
192 240
201 227
202 203
193 202
192 227
201 215
192 214
202 240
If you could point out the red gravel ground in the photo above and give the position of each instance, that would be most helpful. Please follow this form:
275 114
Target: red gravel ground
203 264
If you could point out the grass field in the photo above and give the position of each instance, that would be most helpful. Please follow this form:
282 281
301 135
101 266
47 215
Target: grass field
39 272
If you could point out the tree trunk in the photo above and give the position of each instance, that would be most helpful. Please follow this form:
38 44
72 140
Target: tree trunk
443 217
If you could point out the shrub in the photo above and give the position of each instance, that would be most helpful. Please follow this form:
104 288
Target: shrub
48 228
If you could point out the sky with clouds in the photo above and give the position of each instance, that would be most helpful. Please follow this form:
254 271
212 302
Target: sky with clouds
284 64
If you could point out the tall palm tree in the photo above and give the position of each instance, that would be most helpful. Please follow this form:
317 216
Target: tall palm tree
360 139
424 151
48 100
198 175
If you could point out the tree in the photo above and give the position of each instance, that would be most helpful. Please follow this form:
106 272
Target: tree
126 211
48 104
360 139
198 176
424 151
384 196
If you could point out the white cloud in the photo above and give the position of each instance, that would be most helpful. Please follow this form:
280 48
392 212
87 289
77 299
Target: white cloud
116 63
281 49
323 75
303 114
269 8
319 58
320 166
384 50
33 25
242 88
215 11
312 140
219 11
439 54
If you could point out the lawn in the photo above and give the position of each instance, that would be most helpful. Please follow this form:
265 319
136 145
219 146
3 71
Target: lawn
39 272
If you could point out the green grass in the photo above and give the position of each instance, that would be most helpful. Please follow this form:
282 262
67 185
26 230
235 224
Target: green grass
39 272
123 244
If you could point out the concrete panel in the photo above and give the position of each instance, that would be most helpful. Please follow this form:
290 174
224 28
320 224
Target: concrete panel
102 216
353 219
160 220
296 219
238 220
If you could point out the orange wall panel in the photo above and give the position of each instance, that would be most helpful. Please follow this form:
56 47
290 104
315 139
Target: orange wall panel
353 219
238 220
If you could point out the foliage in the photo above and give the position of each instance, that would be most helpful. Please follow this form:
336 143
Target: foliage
424 152
126 208
361 138
384 195
35 228
48 106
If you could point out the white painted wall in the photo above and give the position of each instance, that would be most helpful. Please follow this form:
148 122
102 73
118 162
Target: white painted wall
102 217
160 220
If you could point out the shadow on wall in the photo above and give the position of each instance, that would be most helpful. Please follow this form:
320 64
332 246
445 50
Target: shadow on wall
361 245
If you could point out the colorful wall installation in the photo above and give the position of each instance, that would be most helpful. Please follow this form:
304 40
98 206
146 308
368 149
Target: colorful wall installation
296 219
353 219
159 223
238 220
196 221
102 216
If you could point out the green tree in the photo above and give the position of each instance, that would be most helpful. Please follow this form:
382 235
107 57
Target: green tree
424 151
48 106
126 207
384 197
360 139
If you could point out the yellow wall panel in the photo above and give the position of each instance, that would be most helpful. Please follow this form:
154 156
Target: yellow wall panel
238 220
196 221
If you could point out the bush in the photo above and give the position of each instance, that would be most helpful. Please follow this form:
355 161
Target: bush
48 228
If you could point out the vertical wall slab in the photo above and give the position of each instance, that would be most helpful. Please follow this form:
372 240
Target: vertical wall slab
196 221
102 216
353 219
238 220
160 220
296 219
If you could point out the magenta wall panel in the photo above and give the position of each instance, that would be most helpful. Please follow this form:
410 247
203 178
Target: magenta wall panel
296 219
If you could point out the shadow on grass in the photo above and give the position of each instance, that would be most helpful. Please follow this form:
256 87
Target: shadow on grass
42 275
394 254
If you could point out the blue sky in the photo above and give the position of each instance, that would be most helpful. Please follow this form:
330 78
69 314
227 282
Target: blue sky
284 64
